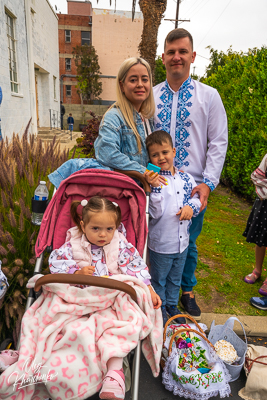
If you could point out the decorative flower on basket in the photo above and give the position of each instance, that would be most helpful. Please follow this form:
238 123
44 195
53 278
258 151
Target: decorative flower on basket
191 355
174 328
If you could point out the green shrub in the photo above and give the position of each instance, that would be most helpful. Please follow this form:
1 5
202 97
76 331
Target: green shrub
89 135
242 84
24 162
160 71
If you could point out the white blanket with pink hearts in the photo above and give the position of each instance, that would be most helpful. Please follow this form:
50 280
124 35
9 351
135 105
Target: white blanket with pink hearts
69 334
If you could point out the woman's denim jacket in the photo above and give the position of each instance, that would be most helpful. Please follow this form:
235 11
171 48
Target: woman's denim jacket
116 145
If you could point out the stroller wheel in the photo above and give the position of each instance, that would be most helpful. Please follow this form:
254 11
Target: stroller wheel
6 344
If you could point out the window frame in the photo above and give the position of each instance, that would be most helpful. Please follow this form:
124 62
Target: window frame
66 64
68 88
87 41
55 87
66 35
12 51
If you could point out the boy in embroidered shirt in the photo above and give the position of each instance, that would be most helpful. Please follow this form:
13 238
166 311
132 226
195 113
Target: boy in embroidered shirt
171 209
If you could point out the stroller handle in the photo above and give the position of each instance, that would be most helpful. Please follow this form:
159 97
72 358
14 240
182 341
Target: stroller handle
85 280
137 175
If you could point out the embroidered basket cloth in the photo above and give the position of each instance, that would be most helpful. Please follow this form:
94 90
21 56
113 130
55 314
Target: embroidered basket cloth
226 332
192 369
169 330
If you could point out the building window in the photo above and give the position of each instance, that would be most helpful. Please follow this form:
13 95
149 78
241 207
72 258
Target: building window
86 37
68 90
55 87
13 70
68 64
67 36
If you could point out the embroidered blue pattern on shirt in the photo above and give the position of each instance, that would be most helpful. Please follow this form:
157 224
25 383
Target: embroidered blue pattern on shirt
165 109
155 189
209 184
164 172
182 123
187 187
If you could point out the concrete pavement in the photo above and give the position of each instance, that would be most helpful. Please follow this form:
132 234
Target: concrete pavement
253 325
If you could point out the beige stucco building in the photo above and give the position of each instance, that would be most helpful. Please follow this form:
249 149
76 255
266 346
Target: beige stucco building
115 37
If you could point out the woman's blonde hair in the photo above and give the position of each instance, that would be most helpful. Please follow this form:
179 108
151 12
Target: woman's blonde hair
126 108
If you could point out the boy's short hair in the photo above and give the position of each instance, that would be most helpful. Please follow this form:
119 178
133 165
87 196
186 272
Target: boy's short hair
158 137
70 113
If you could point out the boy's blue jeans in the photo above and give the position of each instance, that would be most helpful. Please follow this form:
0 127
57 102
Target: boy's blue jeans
71 127
188 279
166 274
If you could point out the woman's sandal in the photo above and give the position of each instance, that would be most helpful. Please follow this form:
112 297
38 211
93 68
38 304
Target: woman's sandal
263 288
113 386
7 358
253 277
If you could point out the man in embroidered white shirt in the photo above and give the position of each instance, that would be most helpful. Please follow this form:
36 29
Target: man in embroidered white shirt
193 114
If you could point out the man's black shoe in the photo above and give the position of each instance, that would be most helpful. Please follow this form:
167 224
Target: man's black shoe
174 310
164 315
190 306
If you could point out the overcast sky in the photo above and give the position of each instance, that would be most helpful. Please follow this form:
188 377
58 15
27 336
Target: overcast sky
215 23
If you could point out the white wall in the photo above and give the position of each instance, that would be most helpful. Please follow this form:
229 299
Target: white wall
15 110
46 58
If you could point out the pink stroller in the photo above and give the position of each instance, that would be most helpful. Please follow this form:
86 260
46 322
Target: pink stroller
57 220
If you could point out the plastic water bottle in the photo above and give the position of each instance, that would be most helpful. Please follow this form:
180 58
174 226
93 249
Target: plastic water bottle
40 194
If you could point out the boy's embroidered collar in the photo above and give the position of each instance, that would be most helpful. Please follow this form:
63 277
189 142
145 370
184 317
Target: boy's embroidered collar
161 172
168 173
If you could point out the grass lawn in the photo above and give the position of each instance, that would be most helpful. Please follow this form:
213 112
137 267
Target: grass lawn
225 257
78 153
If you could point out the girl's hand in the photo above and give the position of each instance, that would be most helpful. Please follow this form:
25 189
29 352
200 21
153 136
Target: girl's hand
154 179
86 271
155 298
185 213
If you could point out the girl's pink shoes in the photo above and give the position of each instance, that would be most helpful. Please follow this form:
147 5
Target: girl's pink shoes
253 277
113 386
263 288
7 358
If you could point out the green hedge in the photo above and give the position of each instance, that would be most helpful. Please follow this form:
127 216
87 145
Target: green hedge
242 84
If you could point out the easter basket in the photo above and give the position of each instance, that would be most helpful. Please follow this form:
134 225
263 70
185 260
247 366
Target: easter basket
192 368
165 349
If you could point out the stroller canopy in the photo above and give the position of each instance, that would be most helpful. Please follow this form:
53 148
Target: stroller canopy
83 185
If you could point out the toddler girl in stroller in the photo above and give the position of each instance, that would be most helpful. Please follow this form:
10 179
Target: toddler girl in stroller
80 335
96 247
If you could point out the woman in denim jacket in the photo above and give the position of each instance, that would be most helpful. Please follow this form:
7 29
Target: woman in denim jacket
125 126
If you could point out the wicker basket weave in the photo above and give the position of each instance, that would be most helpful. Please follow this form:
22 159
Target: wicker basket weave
166 352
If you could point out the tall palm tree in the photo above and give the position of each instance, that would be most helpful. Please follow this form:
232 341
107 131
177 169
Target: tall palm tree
152 11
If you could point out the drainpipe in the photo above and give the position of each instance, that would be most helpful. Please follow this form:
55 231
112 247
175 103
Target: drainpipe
31 67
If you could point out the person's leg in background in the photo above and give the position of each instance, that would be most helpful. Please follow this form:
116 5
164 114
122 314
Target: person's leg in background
188 279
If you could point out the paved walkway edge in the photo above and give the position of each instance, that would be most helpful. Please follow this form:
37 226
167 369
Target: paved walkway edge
254 326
